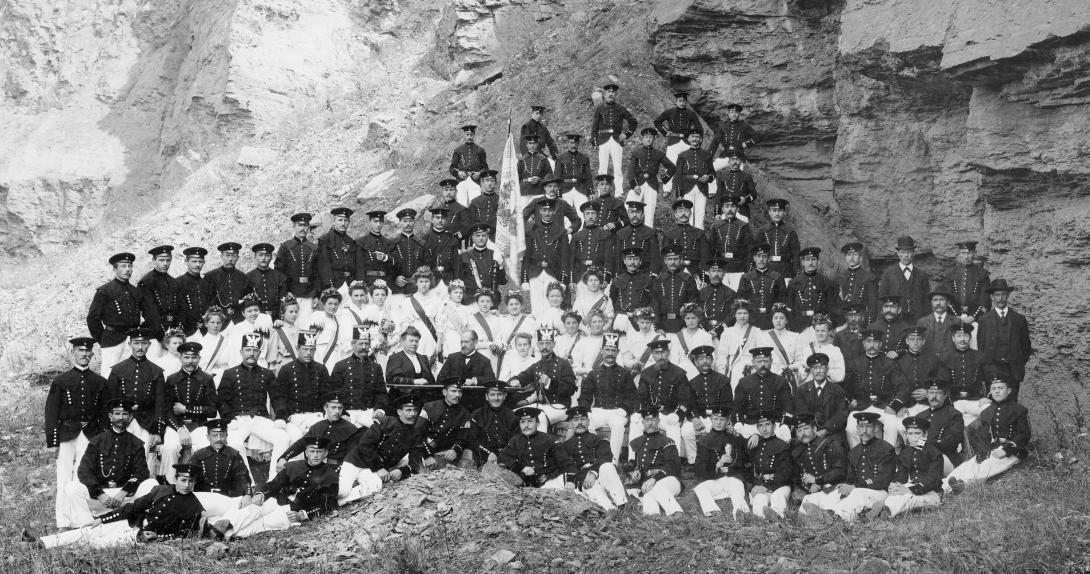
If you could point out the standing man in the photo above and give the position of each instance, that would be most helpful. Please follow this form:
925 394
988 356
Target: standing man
715 297
573 169
672 290
675 124
607 392
533 168
486 206
608 133
732 239
337 254
440 247
194 292
857 284
782 240
642 237
142 381
614 213
908 281
691 240
456 218
648 172
938 324
693 176
227 282
117 308
546 257
408 255
734 181
592 246
733 135
809 293
466 164
762 287
968 284
479 267
73 415
1003 339
359 381
159 286
269 285
535 127
297 259
374 250
630 290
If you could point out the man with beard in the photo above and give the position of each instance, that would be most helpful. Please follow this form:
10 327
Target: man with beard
654 467
824 401
871 465
849 337
595 473
224 482
1003 338
73 415
688 238
664 386
772 469
341 433
549 383
891 326
637 234
607 393
490 427
116 309
381 456
946 425
917 483
441 429
190 401
672 290
938 323
821 463
872 386
711 392
721 458
906 280
228 283
716 298
734 182
760 392
968 388
297 393
359 381
470 367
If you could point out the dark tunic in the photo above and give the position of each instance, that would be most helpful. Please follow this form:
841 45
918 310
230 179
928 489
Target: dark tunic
762 289
408 256
871 465
536 128
783 258
669 291
692 164
1006 424
920 469
142 381
730 135
470 158
608 122
666 387
306 488
587 452
337 259
737 182
384 446
712 446
966 370
483 209
716 298
533 165
654 455
194 297
564 210
441 426
871 381
710 390
850 344
116 308
113 460
244 391
694 249
269 285
369 267
810 294
756 394
561 377
228 287
630 291
574 171
298 260
608 387
540 451
490 430
968 284
913 291
914 370
593 247
824 458
892 334
360 383
651 166
859 285
479 264
222 471
197 392
440 253
164 511
74 405
947 430
772 466
299 388
830 410
162 291
731 239
546 252
342 436
647 239
675 123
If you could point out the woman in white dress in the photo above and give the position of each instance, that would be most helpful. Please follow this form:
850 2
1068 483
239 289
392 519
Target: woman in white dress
516 320
334 340
553 315
732 355
518 359
378 315
453 318
570 336
490 328
169 360
283 342
787 348
688 338
214 352
353 309
253 321
594 297
421 310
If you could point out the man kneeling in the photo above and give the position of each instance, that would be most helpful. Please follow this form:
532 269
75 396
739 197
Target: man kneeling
595 475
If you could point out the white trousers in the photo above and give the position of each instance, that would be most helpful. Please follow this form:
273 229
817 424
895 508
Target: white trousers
82 509
820 499
576 199
360 418
141 433
687 446
970 409
901 503
709 491
857 501
112 356
891 426
117 533
649 197
539 290
242 427
299 424
611 152
748 430
171 451
347 488
662 498
69 453
671 154
467 191
622 324
216 504
700 205
306 309
608 491
776 500
615 420
669 425
973 472
550 415
253 519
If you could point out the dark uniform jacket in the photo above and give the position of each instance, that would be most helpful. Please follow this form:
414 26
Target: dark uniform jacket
808 295
654 455
647 239
573 169
269 286
675 123
342 437
772 466
593 247
483 209
440 253
613 211
141 380
74 404
533 165
731 135
783 258
194 297
222 471
692 164
824 458
666 387
408 256
298 260
228 287
546 251
536 128
850 344
966 370
197 392
369 268
164 511
468 157
830 410
116 309
860 286
337 258
385 446
871 465
651 166
756 393
737 182
913 291
608 387
762 289
160 288
1006 424
732 239
669 291
893 338
587 452
916 368
561 376
113 460
869 377
712 446
1005 342
244 391
564 210
630 291
360 382
540 451
968 284
609 122
441 426
947 430
710 390
716 299
693 244
490 430
920 469
299 388
479 264
302 487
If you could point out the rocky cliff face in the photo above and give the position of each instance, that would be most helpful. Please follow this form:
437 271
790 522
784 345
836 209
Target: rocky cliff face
946 121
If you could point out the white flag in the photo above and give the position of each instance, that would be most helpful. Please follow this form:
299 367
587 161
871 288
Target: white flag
513 236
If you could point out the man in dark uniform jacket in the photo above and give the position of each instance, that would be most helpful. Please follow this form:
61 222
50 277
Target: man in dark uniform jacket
968 384
733 135
116 309
998 446
456 218
228 283
715 297
849 337
537 457
721 460
663 385
382 454
762 287
710 389
614 213
968 283
825 401
190 401
470 367
810 293
732 239
872 384
607 392
477 266
1003 338
891 326
592 468
296 396
693 178
358 379
689 239
440 247
733 181
630 288
222 469
648 172
857 283
654 466
142 380
820 461
441 429
374 250
194 291
672 289
592 246
485 207
915 367
466 164
773 470
675 122
762 391
408 253
573 169
159 286
907 280
342 434
563 209
608 133
947 426
490 427
337 255
297 259
533 168
73 414
641 236
547 384
547 253
782 240
534 127
244 394
917 482
871 465
269 285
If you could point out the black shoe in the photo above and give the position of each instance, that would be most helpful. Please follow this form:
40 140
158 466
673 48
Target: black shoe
26 536
957 486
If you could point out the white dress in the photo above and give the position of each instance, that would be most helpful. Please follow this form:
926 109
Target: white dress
382 344
514 364
680 357
453 319
281 350
234 333
334 341
552 317
796 358
407 316
584 305
732 356
633 346
169 363
214 355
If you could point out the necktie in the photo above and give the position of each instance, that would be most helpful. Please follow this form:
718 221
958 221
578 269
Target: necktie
908 273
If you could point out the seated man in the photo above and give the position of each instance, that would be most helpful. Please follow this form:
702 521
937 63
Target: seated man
224 482
759 392
190 401
297 394
1006 424
711 392
946 427
824 399
441 428
607 392
113 471
469 367
663 385
968 389
304 490
871 465
654 467
166 512
549 384
536 457
874 386
359 379
917 482
381 456
595 476
772 469
821 463
721 458
490 427
341 433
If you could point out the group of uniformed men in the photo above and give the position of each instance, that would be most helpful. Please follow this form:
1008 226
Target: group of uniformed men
721 348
